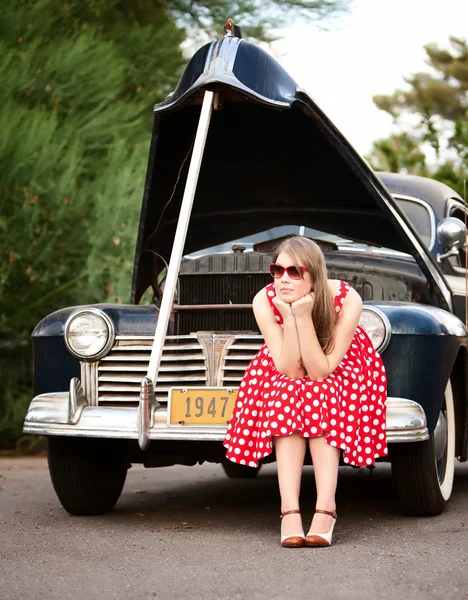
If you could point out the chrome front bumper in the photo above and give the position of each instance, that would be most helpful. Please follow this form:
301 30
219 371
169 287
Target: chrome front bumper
68 414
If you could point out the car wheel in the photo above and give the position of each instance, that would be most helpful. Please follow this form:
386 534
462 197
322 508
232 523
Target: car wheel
424 471
235 471
87 474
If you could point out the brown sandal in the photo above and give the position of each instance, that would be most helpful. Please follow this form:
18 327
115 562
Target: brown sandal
318 540
297 540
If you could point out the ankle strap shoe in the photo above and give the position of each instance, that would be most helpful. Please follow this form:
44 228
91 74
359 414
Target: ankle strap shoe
321 540
295 540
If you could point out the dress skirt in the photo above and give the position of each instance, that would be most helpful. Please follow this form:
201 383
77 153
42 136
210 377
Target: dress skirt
347 407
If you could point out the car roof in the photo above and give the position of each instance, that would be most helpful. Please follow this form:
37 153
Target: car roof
432 191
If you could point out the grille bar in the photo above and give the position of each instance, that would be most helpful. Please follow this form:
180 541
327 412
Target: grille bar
185 362
142 368
127 378
252 346
145 356
119 374
236 358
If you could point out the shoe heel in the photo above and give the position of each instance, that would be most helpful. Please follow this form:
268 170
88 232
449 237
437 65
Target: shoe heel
321 540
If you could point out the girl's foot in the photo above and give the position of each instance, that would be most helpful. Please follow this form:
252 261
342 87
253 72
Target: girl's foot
321 538
321 523
292 534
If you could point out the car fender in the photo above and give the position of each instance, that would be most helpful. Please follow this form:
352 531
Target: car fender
420 357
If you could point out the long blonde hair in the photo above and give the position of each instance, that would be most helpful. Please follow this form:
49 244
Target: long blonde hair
307 253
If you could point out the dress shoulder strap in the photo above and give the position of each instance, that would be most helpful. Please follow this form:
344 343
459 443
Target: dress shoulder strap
270 294
341 295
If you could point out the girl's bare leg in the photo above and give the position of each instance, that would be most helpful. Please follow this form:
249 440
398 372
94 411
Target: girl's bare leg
325 459
290 452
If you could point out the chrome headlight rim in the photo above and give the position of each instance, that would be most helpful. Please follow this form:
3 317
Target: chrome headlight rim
388 328
110 335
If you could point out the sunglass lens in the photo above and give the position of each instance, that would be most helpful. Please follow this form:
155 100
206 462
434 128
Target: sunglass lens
294 273
276 270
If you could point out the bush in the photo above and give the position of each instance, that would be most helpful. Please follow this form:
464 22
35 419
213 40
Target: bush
78 84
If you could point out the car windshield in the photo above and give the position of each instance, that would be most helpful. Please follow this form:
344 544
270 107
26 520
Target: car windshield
421 217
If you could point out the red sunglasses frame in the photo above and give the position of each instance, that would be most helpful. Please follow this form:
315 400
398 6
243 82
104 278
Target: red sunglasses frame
288 270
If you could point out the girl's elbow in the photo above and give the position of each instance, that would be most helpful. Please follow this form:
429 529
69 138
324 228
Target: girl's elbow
318 373
318 376
297 374
291 371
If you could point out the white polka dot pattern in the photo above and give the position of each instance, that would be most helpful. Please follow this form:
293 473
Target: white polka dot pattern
348 407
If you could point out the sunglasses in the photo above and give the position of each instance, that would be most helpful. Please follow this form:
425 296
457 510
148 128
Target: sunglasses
293 272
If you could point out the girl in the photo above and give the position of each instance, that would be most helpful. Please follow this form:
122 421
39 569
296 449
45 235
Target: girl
317 379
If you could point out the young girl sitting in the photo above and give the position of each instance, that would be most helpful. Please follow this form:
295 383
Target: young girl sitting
317 379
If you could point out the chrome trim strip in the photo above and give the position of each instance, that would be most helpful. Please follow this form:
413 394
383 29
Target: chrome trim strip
451 204
149 338
429 209
146 407
458 282
89 379
404 437
235 344
76 401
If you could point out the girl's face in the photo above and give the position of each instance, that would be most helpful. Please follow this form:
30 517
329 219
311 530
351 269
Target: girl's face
288 289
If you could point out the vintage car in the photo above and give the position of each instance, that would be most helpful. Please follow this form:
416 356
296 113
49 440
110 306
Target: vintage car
240 157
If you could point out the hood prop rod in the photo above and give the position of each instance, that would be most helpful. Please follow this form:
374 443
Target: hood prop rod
176 257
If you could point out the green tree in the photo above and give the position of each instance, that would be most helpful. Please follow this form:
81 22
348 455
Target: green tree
438 101
78 85
255 17
399 152
75 84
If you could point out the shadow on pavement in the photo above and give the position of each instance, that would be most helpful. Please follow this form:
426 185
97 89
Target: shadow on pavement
207 497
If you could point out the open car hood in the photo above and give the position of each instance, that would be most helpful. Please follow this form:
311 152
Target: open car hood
272 157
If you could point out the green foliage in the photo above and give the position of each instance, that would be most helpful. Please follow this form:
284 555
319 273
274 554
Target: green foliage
16 383
78 85
439 102
118 203
253 16
398 153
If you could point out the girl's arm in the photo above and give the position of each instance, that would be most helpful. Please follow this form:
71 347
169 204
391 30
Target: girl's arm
317 364
282 342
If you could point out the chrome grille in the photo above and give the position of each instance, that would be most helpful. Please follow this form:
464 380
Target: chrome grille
120 373
236 357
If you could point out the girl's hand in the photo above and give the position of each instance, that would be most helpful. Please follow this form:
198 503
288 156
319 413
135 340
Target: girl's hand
284 308
303 307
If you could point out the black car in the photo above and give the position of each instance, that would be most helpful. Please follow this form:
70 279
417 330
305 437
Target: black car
240 156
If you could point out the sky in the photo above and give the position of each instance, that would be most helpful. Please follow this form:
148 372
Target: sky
365 53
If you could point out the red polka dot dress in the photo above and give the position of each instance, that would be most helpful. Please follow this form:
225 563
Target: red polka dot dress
348 407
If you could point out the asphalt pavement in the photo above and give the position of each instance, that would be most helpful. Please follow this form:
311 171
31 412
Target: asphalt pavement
190 533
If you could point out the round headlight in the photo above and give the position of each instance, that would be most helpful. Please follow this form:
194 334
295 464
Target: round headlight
377 326
89 334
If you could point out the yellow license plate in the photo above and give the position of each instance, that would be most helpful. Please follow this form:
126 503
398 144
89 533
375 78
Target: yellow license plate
201 406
